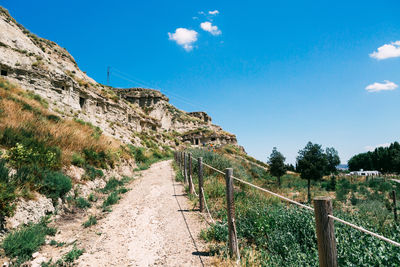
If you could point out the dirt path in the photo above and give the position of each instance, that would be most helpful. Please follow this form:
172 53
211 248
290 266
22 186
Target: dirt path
151 225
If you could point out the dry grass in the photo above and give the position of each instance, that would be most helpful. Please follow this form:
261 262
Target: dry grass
70 136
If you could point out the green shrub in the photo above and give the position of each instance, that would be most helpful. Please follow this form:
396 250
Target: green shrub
122 190
342 189
91 221
29 174
73 255
35 153
7 193
111 200
82 203
111 185
138 153
97 159
78 160
55 185
56 244
25 149
53 118
25 241
92 173
92 197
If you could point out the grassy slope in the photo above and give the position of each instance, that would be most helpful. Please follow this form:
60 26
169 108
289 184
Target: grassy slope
38 144
272 233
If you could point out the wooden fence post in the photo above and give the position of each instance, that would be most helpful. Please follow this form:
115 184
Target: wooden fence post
200 174
185 167
182 163
180 160
327 252
190 174
233 243
394 205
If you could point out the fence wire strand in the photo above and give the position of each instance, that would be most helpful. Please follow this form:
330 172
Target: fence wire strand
303 206
274 194
208 211
365 231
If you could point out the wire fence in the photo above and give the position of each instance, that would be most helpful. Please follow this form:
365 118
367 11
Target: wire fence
326 218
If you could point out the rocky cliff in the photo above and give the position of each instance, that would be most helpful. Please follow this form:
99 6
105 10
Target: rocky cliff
50 71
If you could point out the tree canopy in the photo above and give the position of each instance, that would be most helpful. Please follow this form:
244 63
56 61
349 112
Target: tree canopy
276 163
312 162
383 159
332 157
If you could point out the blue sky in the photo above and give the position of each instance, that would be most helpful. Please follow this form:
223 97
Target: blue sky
275 73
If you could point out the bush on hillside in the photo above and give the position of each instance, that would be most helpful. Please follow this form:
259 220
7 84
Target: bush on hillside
25 241
55 185
7 194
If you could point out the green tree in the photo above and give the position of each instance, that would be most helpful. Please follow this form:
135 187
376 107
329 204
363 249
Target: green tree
332 157
276 163
312 164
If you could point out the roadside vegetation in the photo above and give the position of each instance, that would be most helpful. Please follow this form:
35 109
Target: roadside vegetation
35 147
21 243
273 233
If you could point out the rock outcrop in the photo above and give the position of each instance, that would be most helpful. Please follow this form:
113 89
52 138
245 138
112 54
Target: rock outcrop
49 70
30 211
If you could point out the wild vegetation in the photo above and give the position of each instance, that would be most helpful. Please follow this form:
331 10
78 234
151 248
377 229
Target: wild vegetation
36 145
26 240
272 233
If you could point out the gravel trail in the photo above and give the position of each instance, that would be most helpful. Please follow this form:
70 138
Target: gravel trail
153 224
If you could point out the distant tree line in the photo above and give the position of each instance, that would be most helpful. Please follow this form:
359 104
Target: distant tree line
383 159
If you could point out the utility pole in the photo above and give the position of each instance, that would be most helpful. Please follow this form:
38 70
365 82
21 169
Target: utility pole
108 75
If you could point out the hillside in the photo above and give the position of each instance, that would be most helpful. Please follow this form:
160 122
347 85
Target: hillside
69 145
127 114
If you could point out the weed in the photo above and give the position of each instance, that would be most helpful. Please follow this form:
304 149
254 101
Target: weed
91 221
25 241
78 160
73 255
111 200
92 173
82 203
111 185
55 185
92 197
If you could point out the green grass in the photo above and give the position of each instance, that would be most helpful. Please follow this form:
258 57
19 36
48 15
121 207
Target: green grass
82 203
92 197
110 200
272 233
91 221
56 244
23 242
112 185
73 255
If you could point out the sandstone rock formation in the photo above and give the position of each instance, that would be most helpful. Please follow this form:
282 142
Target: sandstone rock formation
49 70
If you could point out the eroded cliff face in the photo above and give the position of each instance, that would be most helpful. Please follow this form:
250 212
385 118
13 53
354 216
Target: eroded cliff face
49 70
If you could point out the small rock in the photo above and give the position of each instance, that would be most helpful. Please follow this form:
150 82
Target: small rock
35 255
71 241
38 261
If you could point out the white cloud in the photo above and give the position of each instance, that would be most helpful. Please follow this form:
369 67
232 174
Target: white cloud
184 37
208 27
372 148
215 12
377 87
387 51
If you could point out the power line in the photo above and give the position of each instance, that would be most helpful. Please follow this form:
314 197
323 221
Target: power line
134 80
